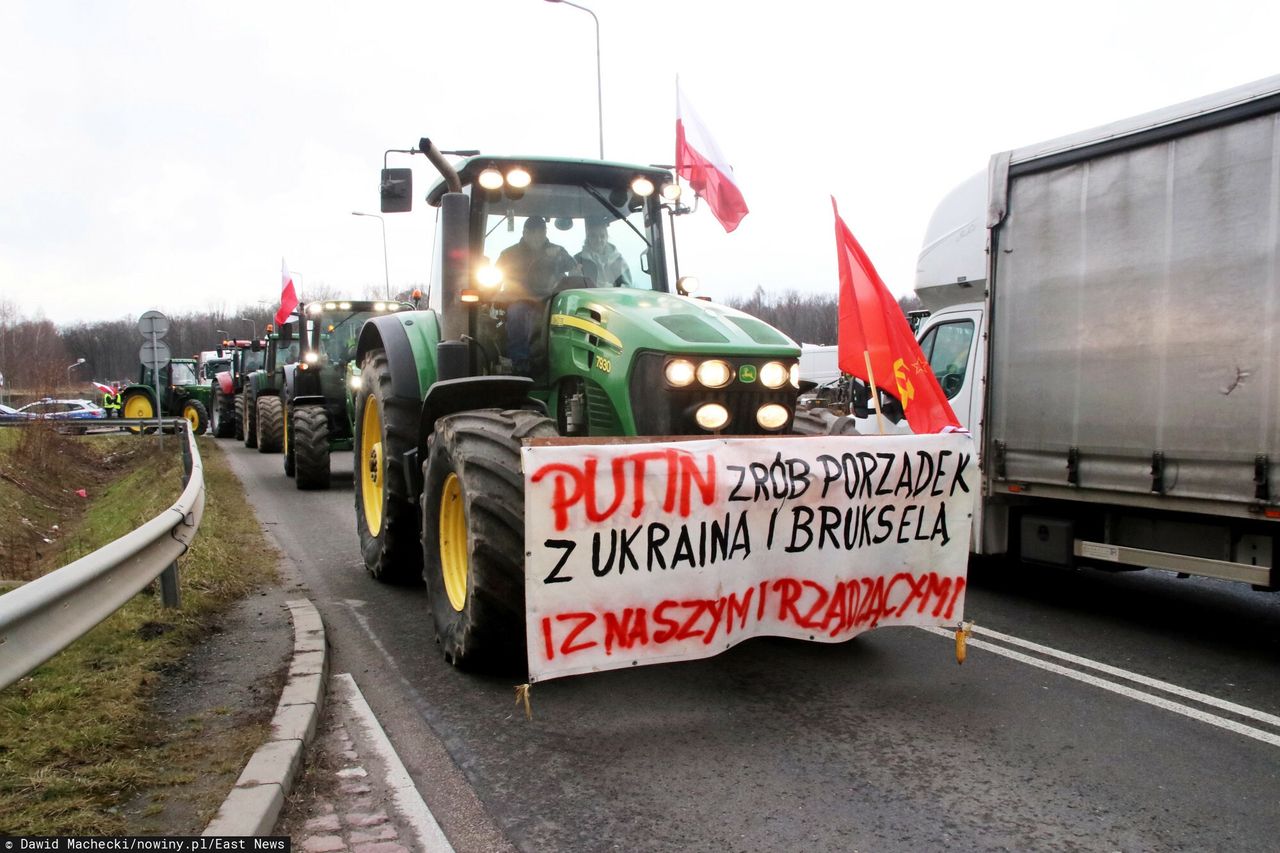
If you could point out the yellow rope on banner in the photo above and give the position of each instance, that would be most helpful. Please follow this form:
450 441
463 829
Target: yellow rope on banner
962 640
522 695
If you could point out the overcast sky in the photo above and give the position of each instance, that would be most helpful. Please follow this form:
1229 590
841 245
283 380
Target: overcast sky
168 154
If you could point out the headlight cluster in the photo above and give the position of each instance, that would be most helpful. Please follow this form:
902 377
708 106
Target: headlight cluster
318 307
517 179
714 416
717 373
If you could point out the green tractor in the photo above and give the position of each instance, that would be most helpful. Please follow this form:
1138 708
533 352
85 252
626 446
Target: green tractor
181 393
259 410
317 391
519 344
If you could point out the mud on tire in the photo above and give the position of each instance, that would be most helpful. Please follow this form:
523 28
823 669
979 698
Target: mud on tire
311 447
392 553
481 449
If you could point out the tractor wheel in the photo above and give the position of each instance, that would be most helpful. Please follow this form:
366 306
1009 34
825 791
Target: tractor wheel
822 422
196 415
386 519
270 425
250 420
238 419
138 405
222 420
473 534
287 443
311 447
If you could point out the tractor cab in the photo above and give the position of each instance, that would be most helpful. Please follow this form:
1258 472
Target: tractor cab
182 393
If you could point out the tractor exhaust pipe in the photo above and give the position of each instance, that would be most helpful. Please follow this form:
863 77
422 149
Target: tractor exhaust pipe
443 166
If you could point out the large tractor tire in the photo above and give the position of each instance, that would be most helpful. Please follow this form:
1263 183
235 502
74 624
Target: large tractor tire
222 418
473 535
249 420
238 421
386 520
196 415
822 422
139 404
310 439
270 423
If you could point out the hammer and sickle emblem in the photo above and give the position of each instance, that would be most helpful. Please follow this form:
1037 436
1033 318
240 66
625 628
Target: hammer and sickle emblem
906 391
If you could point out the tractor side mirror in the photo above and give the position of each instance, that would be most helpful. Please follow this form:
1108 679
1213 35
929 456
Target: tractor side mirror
286 332
397 190
891 408
859 402
256 346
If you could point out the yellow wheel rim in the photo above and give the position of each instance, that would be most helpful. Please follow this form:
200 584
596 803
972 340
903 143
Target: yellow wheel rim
192 416
139 406
371 465
453 543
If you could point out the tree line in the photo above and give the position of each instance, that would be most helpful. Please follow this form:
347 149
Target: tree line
39 358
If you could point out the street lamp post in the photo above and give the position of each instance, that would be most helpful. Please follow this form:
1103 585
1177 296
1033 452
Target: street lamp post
386 270
71 367
253 328
599 85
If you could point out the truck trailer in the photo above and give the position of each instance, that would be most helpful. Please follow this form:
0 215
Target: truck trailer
1104 314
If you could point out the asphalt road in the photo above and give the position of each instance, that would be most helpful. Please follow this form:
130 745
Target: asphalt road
879 744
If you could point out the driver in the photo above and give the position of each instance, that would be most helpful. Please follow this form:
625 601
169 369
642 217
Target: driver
531 270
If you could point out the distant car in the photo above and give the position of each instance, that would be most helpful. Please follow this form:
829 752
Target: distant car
8 413
64 410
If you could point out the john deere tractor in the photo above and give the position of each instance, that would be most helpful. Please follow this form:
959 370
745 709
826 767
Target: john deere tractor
317 391
259 410
448 394
181 393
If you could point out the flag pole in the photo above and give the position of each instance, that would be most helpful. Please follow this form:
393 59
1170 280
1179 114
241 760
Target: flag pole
875 397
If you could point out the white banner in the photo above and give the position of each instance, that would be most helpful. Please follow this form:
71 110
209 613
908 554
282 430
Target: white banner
647 553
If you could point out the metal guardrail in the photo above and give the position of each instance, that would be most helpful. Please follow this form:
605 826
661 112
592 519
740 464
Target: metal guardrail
44 616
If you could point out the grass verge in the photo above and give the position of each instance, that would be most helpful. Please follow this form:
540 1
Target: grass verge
78 736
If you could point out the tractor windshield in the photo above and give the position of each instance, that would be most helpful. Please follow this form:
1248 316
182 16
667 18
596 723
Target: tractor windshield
336 334
182 373
568 235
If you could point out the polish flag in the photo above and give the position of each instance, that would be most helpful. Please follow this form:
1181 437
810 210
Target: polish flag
699 161
288 296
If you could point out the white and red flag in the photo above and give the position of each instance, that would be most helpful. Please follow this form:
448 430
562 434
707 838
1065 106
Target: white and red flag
288 295
699 161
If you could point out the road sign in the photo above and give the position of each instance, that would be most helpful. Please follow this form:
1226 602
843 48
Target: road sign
154 354
153 323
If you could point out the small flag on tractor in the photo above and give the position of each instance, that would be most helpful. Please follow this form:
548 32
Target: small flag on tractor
288 295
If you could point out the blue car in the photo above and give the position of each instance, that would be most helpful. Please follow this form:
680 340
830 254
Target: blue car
63 410
8 413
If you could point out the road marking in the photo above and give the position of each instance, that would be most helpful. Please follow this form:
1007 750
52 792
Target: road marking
405 797
1128 692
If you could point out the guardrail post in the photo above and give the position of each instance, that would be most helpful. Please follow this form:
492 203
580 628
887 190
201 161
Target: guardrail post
170 594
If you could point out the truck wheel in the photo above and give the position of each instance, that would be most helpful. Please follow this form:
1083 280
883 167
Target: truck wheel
270 425
249 420
222 420
822 422
311 447
196 415
473 534
386 519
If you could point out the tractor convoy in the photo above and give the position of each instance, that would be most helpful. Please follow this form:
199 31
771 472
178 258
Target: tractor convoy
518 340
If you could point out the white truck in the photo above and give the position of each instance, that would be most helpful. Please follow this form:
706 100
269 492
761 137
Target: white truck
1105 317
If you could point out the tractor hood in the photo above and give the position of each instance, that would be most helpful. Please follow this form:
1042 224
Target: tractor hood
643 319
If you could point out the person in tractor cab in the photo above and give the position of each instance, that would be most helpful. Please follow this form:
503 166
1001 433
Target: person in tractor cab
531 269
601 261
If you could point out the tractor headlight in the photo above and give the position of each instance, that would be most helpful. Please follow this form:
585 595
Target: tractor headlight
714 373
519 178
795 376
711 416
379 306
772 416
311 357
680 372
315 308
774 375
490 179
671 192
354 382
489 276
642 187
688 285
330 306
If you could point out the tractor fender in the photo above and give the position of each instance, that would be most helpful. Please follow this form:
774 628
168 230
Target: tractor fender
225 382
409 340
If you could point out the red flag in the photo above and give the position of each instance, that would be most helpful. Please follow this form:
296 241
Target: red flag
288 296
700 162
871 322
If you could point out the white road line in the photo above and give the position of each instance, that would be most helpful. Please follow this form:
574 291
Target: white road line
1129 692
408 802
1202 698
